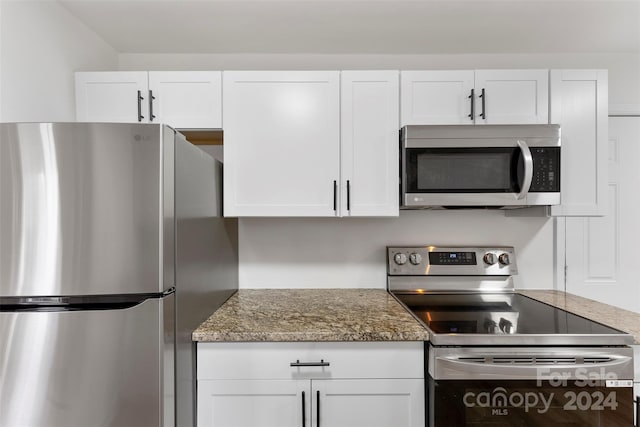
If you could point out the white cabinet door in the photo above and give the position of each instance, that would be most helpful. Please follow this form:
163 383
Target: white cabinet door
512 96
369 135
187 100
119 97
499 97
368 403
253 403
281 143
579 104
436 97
601 251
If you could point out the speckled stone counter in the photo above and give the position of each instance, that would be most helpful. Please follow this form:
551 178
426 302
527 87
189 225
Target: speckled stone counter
311 315
624 320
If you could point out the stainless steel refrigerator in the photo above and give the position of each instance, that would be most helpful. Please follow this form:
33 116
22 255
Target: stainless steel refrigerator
112 250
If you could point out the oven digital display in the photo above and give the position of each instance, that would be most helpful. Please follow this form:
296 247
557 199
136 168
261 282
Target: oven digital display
452 258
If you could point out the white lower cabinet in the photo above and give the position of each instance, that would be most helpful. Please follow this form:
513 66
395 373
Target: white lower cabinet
368 403
359 384
246 403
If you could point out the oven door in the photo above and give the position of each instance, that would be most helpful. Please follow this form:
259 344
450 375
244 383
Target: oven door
533 387
466 174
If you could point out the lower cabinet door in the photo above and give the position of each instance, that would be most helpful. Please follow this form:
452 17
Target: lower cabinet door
254 403
368 403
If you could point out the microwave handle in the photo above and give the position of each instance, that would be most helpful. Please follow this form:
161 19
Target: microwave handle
528 170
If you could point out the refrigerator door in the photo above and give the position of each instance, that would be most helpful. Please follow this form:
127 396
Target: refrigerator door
88 368
86 209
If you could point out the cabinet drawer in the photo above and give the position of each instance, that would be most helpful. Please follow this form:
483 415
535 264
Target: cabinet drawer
346 360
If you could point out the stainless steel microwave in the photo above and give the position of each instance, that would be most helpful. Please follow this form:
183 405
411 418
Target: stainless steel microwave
479 165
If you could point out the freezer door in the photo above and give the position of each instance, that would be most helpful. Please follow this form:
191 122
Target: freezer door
88 368
86 209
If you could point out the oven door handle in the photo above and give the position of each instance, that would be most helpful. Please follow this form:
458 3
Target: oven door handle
453 368
528 170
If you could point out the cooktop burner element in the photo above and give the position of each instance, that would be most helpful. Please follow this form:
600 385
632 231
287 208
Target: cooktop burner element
465 296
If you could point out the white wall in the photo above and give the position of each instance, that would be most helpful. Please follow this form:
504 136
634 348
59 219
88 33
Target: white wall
350 252
41 45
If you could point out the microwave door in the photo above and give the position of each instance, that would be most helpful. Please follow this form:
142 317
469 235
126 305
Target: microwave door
468 176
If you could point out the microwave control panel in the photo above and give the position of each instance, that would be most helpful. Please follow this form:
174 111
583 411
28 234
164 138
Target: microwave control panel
546 169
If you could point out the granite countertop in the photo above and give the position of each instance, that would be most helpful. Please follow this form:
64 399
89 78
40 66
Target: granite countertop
311 315
615 317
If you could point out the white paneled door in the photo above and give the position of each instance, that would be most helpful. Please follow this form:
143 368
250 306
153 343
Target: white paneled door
601 252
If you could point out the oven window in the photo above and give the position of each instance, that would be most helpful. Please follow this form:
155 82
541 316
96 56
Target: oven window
440 170
515 403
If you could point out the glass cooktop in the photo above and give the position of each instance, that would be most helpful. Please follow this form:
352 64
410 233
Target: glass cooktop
499 318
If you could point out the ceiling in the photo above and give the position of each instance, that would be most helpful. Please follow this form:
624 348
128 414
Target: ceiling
364 26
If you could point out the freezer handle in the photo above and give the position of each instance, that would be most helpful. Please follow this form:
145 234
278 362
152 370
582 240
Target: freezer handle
76 303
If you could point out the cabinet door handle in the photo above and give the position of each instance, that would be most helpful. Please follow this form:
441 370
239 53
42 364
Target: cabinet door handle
335 196
348 195
317 408
304 415
473 105
298 363
151 98
637 401
484 100
140 98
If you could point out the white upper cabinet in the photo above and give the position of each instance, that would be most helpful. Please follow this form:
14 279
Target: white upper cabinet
281 143
118 97
305 143
436 97
512 97
187 100
474 97
183 100
369 134
579 104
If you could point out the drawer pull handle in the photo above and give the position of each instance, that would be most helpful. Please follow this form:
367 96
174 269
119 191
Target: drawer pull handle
298 363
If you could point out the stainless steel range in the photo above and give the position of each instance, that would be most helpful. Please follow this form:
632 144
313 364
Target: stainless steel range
499 358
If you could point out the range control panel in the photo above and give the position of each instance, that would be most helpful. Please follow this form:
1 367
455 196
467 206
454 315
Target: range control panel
451 261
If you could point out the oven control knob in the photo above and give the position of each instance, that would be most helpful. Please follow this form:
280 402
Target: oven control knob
490 326
490 258
506 326
504 259
415 258
400 259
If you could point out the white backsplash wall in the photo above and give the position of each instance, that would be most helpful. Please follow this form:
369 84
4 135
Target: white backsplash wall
351 252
